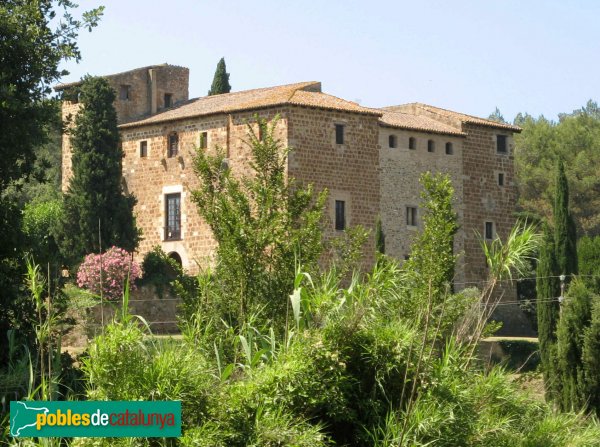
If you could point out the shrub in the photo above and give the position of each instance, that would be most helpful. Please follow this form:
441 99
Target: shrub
110 269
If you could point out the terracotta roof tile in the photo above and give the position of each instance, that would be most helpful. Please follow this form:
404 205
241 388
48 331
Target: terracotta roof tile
303 93
417 122
462 117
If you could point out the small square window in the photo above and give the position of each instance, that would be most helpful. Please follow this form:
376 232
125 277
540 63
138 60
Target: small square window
124 93
501 146
203 140
340 215
411 216
449 149
143 148
392 141
173 148
168 100
489 230
412 143
339 134
501 179
430 146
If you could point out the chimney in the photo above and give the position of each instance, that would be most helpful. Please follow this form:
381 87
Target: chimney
153 92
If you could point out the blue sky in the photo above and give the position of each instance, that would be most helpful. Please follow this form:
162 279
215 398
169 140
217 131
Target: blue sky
540 57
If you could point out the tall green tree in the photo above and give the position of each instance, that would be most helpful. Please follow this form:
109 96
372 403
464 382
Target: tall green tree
565 236
220 83
588 256
591 359
35 36
96 210
264 223
574 319
574 138
548 289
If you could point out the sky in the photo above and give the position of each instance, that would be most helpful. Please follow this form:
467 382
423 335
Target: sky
534 56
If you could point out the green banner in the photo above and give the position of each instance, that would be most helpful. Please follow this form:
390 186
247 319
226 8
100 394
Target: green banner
67 419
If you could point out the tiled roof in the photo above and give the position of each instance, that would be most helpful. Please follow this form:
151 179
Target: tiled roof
462 117
303 94
417 122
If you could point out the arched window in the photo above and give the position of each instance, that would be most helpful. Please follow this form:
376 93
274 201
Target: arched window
430 146
173 145
175 257
392 141
412 143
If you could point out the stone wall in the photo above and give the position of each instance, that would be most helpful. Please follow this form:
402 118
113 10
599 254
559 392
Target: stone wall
146 88
400 170
349 171
150 178
484 199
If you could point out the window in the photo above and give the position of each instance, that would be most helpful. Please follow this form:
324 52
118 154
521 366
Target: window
501 147
175 257
340 215
168 100
124 93
411 216
430 146
173 148
412 143
173 216
489 230
203 140
143 148
501 179
449 149
392 141
339 134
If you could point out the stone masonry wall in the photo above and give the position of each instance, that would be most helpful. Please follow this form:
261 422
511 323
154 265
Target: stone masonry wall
150 178
169 79
401 168
349 171
484 199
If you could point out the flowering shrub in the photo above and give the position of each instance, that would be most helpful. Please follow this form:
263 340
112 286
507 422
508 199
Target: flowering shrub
116 266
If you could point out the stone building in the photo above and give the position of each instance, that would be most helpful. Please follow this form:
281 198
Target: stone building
369 160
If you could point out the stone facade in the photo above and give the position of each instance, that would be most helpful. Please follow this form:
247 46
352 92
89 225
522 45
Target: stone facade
370 161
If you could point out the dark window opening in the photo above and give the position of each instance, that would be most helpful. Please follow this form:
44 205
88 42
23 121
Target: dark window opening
339 134
411 216
173 148
430 146
143 148
124 93
203 140
489 230
412 143
501 147
168 100
175 257
392 141
449 149
173 216
501 179
340 215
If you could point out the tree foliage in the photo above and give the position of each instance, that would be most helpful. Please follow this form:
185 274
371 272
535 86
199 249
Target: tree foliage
575 138
565 237
220 83
31 49
264 223
95 206
588 255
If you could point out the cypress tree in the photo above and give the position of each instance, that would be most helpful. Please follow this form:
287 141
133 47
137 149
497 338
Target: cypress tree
574 319
547 288
565 237
94 204
220 83
591 360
